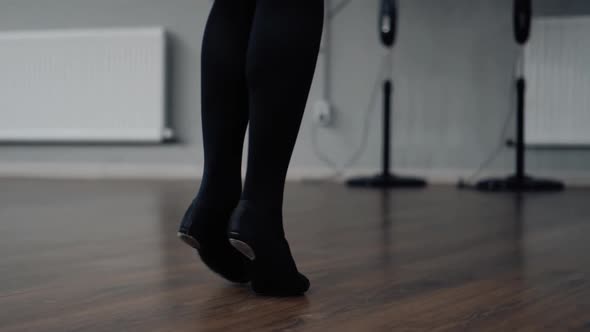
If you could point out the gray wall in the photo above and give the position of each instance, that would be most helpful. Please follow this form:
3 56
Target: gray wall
562 7
452 67
184 19
453 70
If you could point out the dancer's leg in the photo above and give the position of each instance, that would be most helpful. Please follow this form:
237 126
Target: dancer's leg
282 56
224 121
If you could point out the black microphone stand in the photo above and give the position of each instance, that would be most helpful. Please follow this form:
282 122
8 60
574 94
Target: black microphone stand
520 181
386 179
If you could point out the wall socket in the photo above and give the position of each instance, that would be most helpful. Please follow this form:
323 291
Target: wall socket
323 114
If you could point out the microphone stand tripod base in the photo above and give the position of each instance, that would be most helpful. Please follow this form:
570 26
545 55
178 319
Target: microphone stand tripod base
519 184
385 181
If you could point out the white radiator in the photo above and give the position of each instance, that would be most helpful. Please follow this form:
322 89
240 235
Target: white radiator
557 68
83 86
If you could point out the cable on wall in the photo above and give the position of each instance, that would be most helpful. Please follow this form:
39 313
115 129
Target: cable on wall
357 154
468 182
339 8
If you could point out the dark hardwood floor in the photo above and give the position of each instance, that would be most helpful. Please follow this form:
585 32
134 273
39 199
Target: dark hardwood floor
103 256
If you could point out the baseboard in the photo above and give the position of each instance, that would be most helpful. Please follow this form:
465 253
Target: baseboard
184 171
99 171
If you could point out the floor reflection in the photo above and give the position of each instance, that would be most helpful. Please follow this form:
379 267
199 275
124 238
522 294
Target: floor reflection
387 230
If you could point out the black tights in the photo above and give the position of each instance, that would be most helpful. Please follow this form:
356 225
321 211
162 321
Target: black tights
258 61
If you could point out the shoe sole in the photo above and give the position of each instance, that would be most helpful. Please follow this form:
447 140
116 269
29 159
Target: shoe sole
189 240
241 246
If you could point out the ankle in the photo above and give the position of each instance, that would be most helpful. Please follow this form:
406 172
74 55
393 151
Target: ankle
217 200
256 220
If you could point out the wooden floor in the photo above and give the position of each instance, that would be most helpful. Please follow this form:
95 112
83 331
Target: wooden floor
103 256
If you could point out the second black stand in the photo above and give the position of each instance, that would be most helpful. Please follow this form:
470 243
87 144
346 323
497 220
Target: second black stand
519 182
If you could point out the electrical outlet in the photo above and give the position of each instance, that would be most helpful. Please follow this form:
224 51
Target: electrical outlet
323 113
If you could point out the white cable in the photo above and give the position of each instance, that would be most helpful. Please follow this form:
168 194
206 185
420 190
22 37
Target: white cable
356 155
338 8
500 147
518 71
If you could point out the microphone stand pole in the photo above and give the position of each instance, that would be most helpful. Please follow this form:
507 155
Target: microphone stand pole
386 179
520 182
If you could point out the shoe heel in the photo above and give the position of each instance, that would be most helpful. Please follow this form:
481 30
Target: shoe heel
241 246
